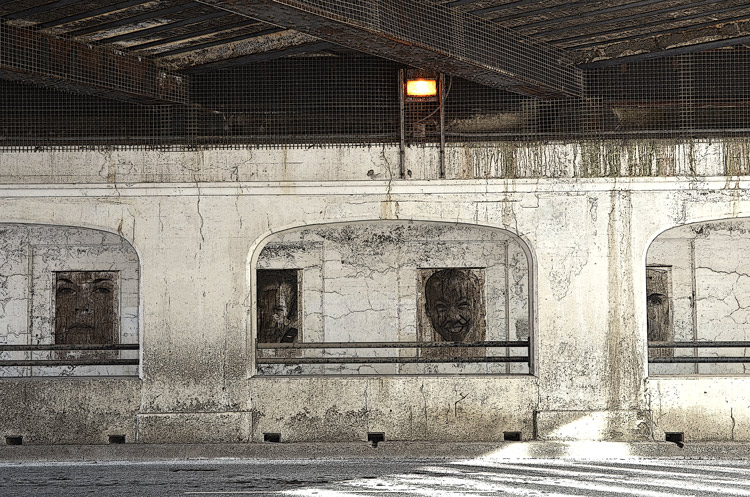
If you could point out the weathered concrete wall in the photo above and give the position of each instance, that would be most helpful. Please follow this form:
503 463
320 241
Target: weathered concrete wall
437 408
199 238
608 159
69 410
702 408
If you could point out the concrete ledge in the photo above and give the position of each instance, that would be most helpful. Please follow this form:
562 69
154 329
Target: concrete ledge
384 450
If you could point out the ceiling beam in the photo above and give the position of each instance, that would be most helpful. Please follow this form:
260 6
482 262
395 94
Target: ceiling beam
41 9
681 50
570 7
425 35
620 20
92 13
645 30
260 56
495 8
194 35
45 60
124 21
458 3
141 33
220 42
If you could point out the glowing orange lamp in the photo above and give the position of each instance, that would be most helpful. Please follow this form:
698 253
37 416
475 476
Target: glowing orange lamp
421 88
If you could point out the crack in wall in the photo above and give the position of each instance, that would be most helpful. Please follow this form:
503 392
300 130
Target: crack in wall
200 215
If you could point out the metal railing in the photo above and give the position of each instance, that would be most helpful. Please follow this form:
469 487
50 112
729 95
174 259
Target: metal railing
697 359
93 360
300 359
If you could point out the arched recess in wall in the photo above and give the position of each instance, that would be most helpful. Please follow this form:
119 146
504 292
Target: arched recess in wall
70 302
698 299
393 297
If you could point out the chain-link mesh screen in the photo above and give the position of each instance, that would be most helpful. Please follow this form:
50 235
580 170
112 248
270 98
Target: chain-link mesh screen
114 99
298 100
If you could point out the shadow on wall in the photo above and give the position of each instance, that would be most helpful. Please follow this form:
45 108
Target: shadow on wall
70 300
392 297
698 299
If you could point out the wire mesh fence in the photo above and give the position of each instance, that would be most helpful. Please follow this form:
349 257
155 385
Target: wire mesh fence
115 100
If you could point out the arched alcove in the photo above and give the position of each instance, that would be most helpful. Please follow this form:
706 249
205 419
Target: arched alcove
69 298
698 299
393 297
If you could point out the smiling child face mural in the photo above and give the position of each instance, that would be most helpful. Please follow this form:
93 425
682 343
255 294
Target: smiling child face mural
452 297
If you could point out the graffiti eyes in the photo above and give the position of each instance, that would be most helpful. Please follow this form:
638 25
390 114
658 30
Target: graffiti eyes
655 300
65 291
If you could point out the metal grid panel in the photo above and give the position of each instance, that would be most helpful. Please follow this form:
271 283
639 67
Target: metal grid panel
311 100
52 61
327 99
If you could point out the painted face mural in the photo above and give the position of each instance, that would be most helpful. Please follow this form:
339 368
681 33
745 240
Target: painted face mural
277 306
451 300
657 305
85 307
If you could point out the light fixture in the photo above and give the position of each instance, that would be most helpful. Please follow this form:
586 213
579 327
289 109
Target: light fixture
421 87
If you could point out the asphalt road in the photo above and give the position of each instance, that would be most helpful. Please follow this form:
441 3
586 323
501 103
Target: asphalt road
392 477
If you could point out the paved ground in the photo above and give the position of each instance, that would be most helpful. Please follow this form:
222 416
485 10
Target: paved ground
352 477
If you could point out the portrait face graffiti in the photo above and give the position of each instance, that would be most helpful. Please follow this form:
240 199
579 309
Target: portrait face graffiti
658 311
277 306
453 298
85 307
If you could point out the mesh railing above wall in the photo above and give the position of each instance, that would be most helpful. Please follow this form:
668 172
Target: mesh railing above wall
323 100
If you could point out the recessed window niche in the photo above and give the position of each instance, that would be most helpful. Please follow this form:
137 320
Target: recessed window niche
72 295
393 297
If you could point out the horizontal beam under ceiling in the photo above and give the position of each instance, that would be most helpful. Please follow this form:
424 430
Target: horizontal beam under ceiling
428 36
37 58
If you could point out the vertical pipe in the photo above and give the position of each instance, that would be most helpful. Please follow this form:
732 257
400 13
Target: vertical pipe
441 88
694 297
402 145
507 306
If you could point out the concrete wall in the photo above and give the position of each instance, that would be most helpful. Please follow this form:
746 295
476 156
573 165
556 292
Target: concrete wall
199 221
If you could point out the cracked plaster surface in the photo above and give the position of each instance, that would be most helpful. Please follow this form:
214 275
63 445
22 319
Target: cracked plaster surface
590 159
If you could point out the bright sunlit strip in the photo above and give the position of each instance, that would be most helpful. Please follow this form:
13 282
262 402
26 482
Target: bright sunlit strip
421 88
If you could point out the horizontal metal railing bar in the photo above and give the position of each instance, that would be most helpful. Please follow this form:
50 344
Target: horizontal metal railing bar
388 345
21 348
701 360
72 362
385 360
690 345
